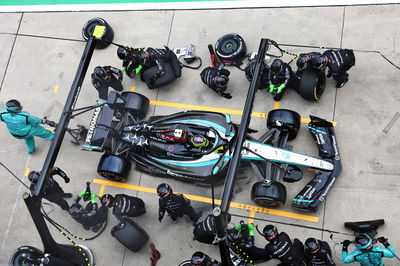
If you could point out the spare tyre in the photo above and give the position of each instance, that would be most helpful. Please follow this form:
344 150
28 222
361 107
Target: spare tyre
312 84
108 35
269 195
113 167
291 121
130 234
231 49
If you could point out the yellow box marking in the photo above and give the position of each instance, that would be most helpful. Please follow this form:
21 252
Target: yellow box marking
99 31
209 200
27 171
216 109
55 89
101 191
276 105
133 88
251 215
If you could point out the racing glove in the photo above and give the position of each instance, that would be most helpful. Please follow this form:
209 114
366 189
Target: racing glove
280 88
93 198
383 240
345 244
271 88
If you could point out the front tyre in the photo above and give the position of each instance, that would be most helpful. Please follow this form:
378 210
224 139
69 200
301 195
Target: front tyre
290 121
113 167
136 104
269 195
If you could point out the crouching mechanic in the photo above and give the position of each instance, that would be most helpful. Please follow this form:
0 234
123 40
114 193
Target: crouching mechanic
318 253
22 125
281 247
366 253
175 204
53 192
313 60
138 60
340 61
281 76
216 78
123 205
104 77
91 217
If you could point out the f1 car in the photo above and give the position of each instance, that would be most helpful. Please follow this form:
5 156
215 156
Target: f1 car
196 146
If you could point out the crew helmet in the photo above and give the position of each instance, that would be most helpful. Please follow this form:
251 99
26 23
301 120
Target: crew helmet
14 106
276 67
221 81
33 176
302 62
100 72
270 232
107 200
198 258
320 61
363 241
312 245
164 190
122 53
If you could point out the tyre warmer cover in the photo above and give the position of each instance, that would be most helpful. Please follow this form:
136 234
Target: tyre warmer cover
314 193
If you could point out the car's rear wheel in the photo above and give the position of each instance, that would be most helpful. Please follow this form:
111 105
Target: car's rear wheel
312 85
290 121
136 104
269 195
115 168
108 36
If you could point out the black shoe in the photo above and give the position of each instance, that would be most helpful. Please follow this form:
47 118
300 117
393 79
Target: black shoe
341 84
96 228
67 195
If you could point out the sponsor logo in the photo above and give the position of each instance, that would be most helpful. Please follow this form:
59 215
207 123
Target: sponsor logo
78 90
337 156
92 125
174 174
322 197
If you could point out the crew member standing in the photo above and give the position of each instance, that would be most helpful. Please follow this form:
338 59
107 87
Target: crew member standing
24 126
175 204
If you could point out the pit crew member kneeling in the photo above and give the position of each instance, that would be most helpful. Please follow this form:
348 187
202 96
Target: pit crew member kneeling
123 205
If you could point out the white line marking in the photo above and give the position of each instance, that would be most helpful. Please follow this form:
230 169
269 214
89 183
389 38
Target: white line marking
192 5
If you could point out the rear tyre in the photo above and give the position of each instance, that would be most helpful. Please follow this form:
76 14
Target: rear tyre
271 195
108 36
136 104
291 121
115 168
312 85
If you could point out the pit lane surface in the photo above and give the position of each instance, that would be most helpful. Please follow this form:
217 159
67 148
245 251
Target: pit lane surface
39 71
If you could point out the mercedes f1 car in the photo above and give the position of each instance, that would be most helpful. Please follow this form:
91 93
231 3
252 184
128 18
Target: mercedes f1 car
196 146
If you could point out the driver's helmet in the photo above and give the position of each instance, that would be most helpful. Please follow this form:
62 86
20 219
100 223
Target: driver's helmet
363 242
122 53
320 62
312 245
164 190
75 210
33 176
198 259
107 200
221 81
100 72
270 232
199 141
302 62
14 106
276 67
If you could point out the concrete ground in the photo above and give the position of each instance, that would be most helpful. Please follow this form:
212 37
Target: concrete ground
38 60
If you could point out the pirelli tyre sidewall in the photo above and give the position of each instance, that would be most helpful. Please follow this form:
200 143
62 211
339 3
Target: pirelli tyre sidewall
291 120
136 104
230 47
272 195
108 36
113 167
312 84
